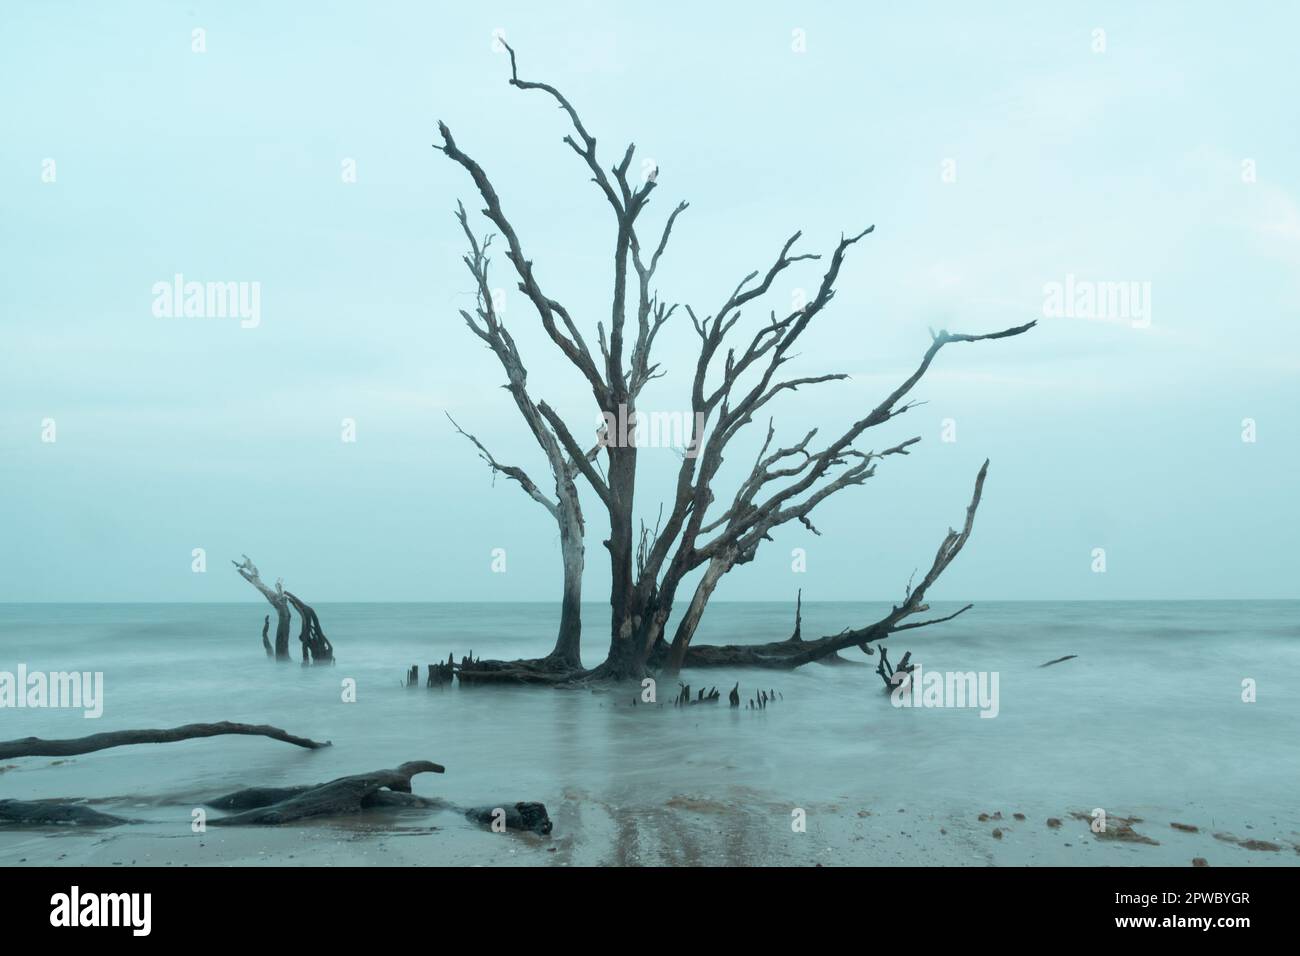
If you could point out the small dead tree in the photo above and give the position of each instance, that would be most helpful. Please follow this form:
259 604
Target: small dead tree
276 598
785 484
316 647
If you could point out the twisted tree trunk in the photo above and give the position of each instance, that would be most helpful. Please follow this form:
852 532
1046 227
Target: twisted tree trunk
695 611
568 641
315 645
276 598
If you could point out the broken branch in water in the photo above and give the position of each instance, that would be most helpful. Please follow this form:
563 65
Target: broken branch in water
1067 657
789 654
36 747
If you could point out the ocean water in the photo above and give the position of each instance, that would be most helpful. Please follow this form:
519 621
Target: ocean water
1147 721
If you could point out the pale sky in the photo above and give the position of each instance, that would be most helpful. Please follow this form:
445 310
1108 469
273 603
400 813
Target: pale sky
995 152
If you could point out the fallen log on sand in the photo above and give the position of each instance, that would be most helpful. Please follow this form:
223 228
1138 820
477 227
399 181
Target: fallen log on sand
39 813
272 806
36 747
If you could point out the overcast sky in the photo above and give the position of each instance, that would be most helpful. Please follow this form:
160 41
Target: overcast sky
996 153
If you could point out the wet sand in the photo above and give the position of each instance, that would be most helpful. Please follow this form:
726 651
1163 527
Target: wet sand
687 830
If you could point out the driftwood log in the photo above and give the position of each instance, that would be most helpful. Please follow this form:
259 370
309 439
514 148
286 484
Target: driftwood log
542 670
273 806
1059 660
41 813
36 747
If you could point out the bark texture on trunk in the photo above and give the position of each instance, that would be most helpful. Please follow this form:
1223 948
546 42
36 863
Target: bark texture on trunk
568 642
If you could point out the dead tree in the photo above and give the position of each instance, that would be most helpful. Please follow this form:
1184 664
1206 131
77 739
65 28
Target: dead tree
564 464
277 599
316 647
786 483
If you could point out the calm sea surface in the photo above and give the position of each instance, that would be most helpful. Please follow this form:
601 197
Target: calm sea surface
1148 718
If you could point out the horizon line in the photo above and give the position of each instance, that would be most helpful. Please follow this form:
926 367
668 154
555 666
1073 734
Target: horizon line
973 601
